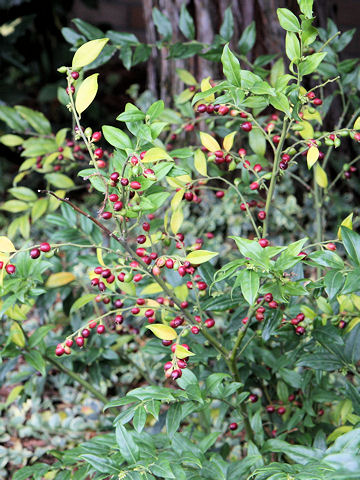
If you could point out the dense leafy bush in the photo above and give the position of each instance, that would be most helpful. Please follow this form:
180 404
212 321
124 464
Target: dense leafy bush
183 273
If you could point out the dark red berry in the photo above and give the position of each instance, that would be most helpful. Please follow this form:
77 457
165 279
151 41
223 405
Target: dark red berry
100 329
281 410
75 75
317 101
35 253
233 426
106 215
45 247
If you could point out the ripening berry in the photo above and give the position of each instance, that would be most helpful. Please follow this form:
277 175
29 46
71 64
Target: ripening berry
311 95
114 176
176 374
70 89
317 101
242 152
45 247
220 194
331 247
35 253
223 110
276 139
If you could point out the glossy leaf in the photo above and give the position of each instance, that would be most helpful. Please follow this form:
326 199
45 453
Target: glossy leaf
312 156
164 332
88 52
200 162
209 142
200 256
86 93
59 279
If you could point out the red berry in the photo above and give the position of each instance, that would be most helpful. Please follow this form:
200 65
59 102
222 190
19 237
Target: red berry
146 226
285 157
169 263
195 329
220 194
79 341
100 329
45 247
106 215
261 215
141 239
281 410
75 75
135 310
300 330
209 322
233 426
242 152
223 109
10 269
96 136
135 185
317 101
149 313
310 95
99 152
273 304
113 197
176 374
254 186
246 126
201 108
85 333
35 253
202 285
166 343
263 242
168 365
138 277
59 351
270 409
331 247
268 297
70 89
253 398
257 167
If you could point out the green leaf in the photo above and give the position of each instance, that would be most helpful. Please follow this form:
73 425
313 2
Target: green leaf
292 46
39 334
23 193
326 259
88 52
59 180
14 206
116 137
186 23
173 419
249 282
10 140
39 208
334 281
186 76
101 464
86 93
351 241
12 118
306 7
80 302
37 120
320 361
247 39
35 359
155 109
162 24
288 20
139 418
281 102
227 27
257 141
297 453
128 448
131 115
311 63
231 66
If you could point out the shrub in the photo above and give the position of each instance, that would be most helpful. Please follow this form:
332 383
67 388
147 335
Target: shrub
217 326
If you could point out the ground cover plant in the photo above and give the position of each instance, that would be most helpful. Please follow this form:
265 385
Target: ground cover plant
180 289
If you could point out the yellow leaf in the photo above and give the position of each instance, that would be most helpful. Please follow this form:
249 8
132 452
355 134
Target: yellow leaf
312 156
59 279
356 300
179 181
86 93
181 352
88 52
155 154
229 141
15 392
352 324
357 124
100 257
209 142
320 176
10 140
200 256
151 289
312 116
176 200
307 131
6 245
164 332
347 222
16 335
200 162
337 432
176 220
206 85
